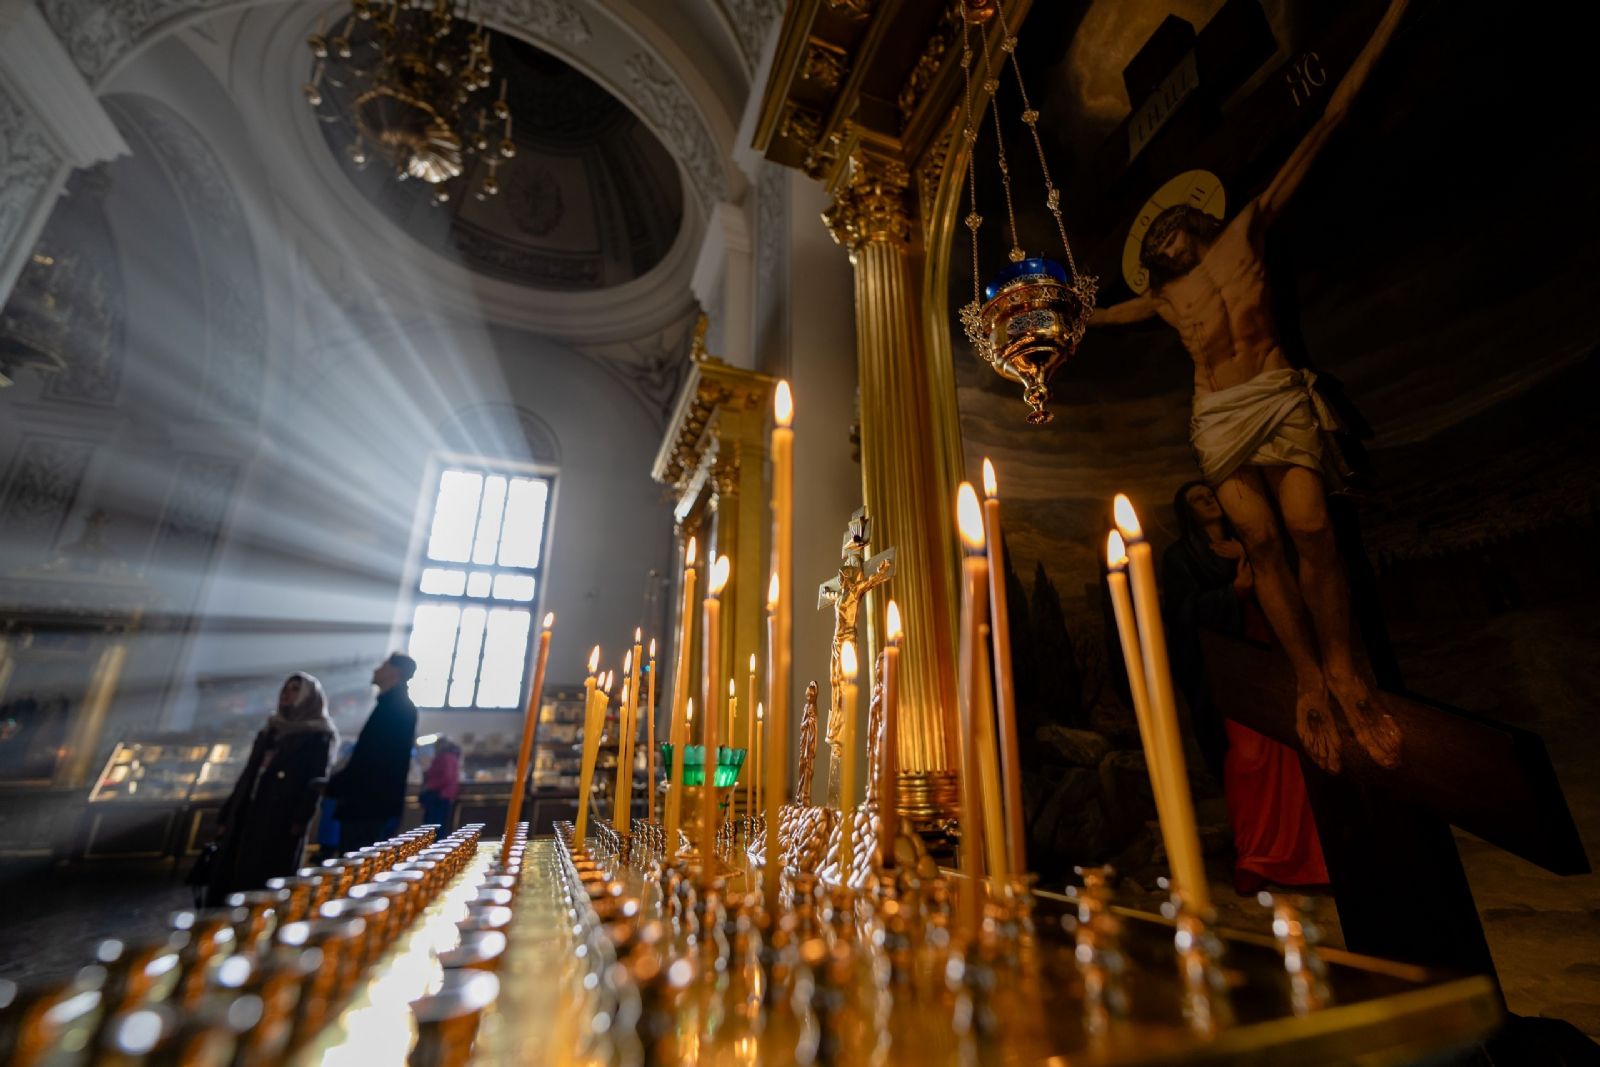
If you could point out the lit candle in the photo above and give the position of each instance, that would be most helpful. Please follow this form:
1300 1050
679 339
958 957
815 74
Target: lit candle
677 723
889 801
778 657
847 762
1005 693
525 752
755 757
1188 866
1133 660
969 520
626 739
750 744
650 737
593 713
712 610
733 708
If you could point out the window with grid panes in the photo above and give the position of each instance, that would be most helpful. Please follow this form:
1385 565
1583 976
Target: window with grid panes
476 588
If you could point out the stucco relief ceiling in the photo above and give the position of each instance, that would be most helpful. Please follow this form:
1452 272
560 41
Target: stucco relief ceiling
591 200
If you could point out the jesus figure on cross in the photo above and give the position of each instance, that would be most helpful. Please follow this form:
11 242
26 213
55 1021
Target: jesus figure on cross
1257 429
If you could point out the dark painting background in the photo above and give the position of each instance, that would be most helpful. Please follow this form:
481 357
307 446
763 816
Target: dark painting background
1440 261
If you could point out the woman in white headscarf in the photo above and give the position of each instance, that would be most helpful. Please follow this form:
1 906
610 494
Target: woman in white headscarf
262 831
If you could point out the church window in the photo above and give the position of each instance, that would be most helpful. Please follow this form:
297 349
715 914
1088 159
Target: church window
478 579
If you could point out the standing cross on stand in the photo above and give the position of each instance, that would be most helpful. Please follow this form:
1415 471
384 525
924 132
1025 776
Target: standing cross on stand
857 575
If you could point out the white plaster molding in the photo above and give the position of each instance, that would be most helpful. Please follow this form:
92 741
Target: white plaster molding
41 74
723 284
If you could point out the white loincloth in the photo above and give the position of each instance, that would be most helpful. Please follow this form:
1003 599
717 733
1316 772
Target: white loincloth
1276 419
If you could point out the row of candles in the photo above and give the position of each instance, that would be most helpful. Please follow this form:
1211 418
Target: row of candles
990 773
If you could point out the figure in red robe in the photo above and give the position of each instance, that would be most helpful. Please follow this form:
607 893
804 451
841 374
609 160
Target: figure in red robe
1207 582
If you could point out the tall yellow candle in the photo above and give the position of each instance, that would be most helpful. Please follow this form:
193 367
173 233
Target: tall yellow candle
712 611
994 828
755 757
1005 693
1188 866
1133 659
970 524
627 739
677 722
593 712
650 737
750 744
780 602
889 801
733 709
519 784
847 764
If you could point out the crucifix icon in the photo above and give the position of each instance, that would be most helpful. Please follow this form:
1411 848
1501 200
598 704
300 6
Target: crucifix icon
857 574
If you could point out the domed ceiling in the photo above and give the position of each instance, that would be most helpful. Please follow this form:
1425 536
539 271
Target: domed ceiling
590 201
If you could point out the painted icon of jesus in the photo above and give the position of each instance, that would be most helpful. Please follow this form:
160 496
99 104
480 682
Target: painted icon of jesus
1257 430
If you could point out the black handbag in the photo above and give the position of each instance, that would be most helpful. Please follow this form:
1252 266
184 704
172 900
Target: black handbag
200 874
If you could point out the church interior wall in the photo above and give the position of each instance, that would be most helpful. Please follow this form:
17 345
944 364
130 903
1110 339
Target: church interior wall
1443 309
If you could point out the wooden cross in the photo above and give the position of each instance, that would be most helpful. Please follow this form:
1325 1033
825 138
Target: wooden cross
1397 878
843 592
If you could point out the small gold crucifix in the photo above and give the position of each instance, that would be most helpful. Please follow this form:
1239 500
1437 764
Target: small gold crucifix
843 593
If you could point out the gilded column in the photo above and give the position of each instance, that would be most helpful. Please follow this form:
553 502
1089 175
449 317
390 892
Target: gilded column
91 720
904 481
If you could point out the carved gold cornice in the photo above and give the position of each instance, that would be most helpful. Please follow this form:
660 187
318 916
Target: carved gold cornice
871 203
718 409
885 71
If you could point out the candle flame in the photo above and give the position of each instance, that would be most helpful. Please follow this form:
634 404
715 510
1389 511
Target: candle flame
847 659
732 691
783 405
689 553
627 663
611 678
652 648
1127 518
720 572
594 660
772 592
549 619
690 709
893 629
1116 551
991 486
638 633
760 713
752 663
969 517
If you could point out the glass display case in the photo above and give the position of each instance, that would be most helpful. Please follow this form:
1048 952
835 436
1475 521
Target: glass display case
145 771
159 796
557 755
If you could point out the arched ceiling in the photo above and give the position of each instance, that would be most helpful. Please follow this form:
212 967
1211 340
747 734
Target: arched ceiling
590 200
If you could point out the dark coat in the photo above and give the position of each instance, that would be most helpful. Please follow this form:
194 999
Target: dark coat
268 812
372 785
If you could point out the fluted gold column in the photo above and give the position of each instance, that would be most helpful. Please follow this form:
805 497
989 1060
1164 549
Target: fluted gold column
904 480
91 720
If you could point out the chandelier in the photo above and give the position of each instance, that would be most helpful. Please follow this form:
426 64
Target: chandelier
1031 315
415 72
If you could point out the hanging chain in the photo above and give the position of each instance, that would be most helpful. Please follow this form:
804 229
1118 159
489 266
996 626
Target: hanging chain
1085 284
991 85
971 318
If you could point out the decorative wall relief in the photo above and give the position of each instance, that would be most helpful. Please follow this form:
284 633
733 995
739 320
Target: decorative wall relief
752 21
672 114
555 20
40 487
27 163
202 489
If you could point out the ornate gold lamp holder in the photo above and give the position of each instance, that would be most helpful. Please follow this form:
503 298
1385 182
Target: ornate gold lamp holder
1027 321
414 74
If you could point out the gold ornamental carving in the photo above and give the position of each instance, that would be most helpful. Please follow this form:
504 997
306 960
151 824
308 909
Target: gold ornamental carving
824 64
871 205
